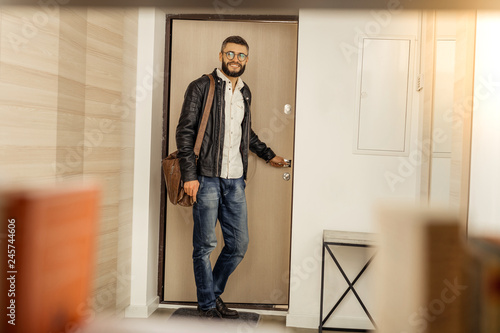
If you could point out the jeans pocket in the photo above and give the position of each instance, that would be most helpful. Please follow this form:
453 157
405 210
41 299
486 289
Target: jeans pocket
201 180
242 182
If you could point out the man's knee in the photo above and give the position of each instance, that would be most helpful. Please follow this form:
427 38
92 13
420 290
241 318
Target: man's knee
242 246
204 249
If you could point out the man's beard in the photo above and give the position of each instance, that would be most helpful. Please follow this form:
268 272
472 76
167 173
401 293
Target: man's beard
228 72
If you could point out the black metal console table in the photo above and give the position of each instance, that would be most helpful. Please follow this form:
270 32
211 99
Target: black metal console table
352 239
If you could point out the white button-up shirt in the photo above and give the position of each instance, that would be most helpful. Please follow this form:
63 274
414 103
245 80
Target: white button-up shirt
232 164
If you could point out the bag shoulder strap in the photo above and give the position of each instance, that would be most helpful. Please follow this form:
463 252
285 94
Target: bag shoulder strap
206 113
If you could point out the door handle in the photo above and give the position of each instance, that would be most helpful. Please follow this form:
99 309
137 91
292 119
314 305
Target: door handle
288 163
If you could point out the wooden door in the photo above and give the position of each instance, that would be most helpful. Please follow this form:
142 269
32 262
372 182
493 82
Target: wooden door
263 275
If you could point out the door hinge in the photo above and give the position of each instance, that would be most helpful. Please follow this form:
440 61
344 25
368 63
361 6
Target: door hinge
420 82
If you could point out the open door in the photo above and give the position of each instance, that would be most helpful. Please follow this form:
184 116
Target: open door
263 275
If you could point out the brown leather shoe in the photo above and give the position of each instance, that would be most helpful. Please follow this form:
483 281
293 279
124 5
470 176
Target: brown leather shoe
224 310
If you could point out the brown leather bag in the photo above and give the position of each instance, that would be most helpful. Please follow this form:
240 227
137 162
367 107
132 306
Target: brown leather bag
171 167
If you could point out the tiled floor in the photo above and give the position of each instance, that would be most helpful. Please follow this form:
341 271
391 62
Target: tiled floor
267 323
161 322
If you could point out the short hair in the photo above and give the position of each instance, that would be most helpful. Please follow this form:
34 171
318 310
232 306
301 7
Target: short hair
235 40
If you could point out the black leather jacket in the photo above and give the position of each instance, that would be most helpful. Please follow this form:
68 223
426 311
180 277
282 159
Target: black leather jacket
210 159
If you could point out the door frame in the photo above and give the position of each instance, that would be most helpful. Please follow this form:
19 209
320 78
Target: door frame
166 113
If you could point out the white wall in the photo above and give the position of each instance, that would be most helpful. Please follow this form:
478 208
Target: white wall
345 186
147 161
444 80
334 188
484 205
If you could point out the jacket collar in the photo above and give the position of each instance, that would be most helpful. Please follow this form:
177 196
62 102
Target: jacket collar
239 83
245 90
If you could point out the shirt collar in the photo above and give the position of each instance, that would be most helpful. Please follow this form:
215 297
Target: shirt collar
239 83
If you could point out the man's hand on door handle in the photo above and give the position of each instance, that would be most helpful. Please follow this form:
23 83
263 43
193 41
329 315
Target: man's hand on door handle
280 162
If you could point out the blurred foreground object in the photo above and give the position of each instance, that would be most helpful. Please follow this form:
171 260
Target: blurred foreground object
485 277
47 245
422 280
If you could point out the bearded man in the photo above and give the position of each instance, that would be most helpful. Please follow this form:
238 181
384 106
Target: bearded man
216 178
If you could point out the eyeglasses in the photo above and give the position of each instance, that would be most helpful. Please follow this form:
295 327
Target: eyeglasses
241 56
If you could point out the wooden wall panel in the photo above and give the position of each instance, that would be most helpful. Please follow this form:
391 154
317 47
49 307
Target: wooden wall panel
67 110
28 95
103 79
126 112
71 92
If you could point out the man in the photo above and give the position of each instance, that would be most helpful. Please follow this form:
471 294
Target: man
216 180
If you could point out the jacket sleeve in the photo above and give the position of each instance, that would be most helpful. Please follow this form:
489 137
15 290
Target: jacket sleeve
186 131
260 148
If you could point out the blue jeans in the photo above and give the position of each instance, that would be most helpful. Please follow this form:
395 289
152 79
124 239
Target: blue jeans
222 199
